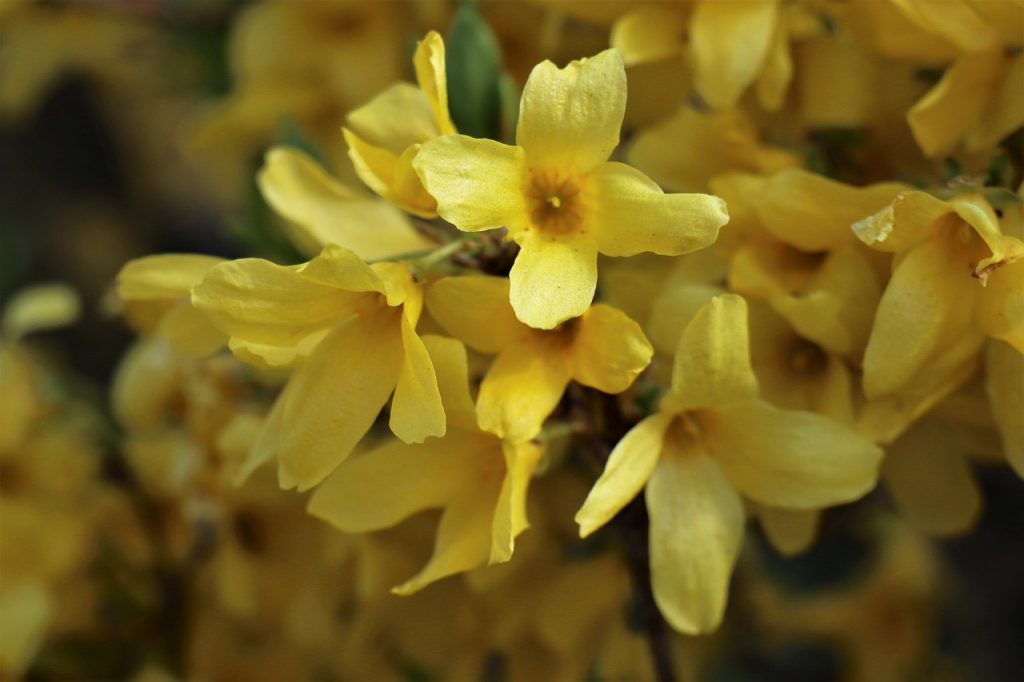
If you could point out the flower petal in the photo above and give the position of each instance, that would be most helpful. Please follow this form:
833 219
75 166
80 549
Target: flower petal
1000 311
625 474
334 397
712 364
924 309
390 175
791 459
510 512
696 527
162 277
609 349
522 387
790 532
929 478
730 42
416 409
633 215
326 211
570 118
397 118
433 81
475 310
1004 383
552 279
452 369
478 184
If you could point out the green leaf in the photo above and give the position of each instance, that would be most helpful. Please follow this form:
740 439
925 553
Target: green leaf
473 67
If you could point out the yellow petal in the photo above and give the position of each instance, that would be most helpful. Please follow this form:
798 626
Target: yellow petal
791 459
390 175
955 21
632 215
43 306
432 78
730 42
1000 311
940 118
924 309
1006 111
1004 383
475 310
929 478
570 118
398 118
609 350
327 212
333 399
625 474
190 331
814 213
522 387
339 267
452 369
790 532
163 277
696 527
552 279
381 487
478 184
712 363
261 302
510 512
777 69
416 409
907 221
649 34
26 610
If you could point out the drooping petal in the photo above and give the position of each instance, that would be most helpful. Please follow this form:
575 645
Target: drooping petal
712 364
1000 311
261 302
475 310
452 370
552 279
941 118
1005 113
791 459
570 118
1004 383
478 184
930 479
625 474
696 527
162 277
390 175
790 531
43 306
388 484
924 308
416 409
429 64
730 42
510 512
632 215
333 399
609 349
327 212
522 387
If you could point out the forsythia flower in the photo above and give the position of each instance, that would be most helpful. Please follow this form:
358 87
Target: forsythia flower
478 479
603 348
710 440
356 323
557 194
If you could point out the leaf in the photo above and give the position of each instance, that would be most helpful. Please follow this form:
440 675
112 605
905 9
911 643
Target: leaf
474 74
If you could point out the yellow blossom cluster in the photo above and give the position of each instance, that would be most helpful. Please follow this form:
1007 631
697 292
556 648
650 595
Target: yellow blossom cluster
743 262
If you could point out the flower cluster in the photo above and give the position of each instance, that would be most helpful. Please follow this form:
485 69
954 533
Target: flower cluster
599 341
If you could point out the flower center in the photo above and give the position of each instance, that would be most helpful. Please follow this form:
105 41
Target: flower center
806 358
555 203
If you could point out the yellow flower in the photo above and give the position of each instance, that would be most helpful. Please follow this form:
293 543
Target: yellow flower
385 135
478 479
557 194
710 440
932 305
354 327
603 348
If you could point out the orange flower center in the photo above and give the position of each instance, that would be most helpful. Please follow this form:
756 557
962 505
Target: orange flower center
556 205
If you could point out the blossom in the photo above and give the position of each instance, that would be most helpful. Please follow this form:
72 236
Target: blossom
478 479
603 348
354 328
711 440
556 192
